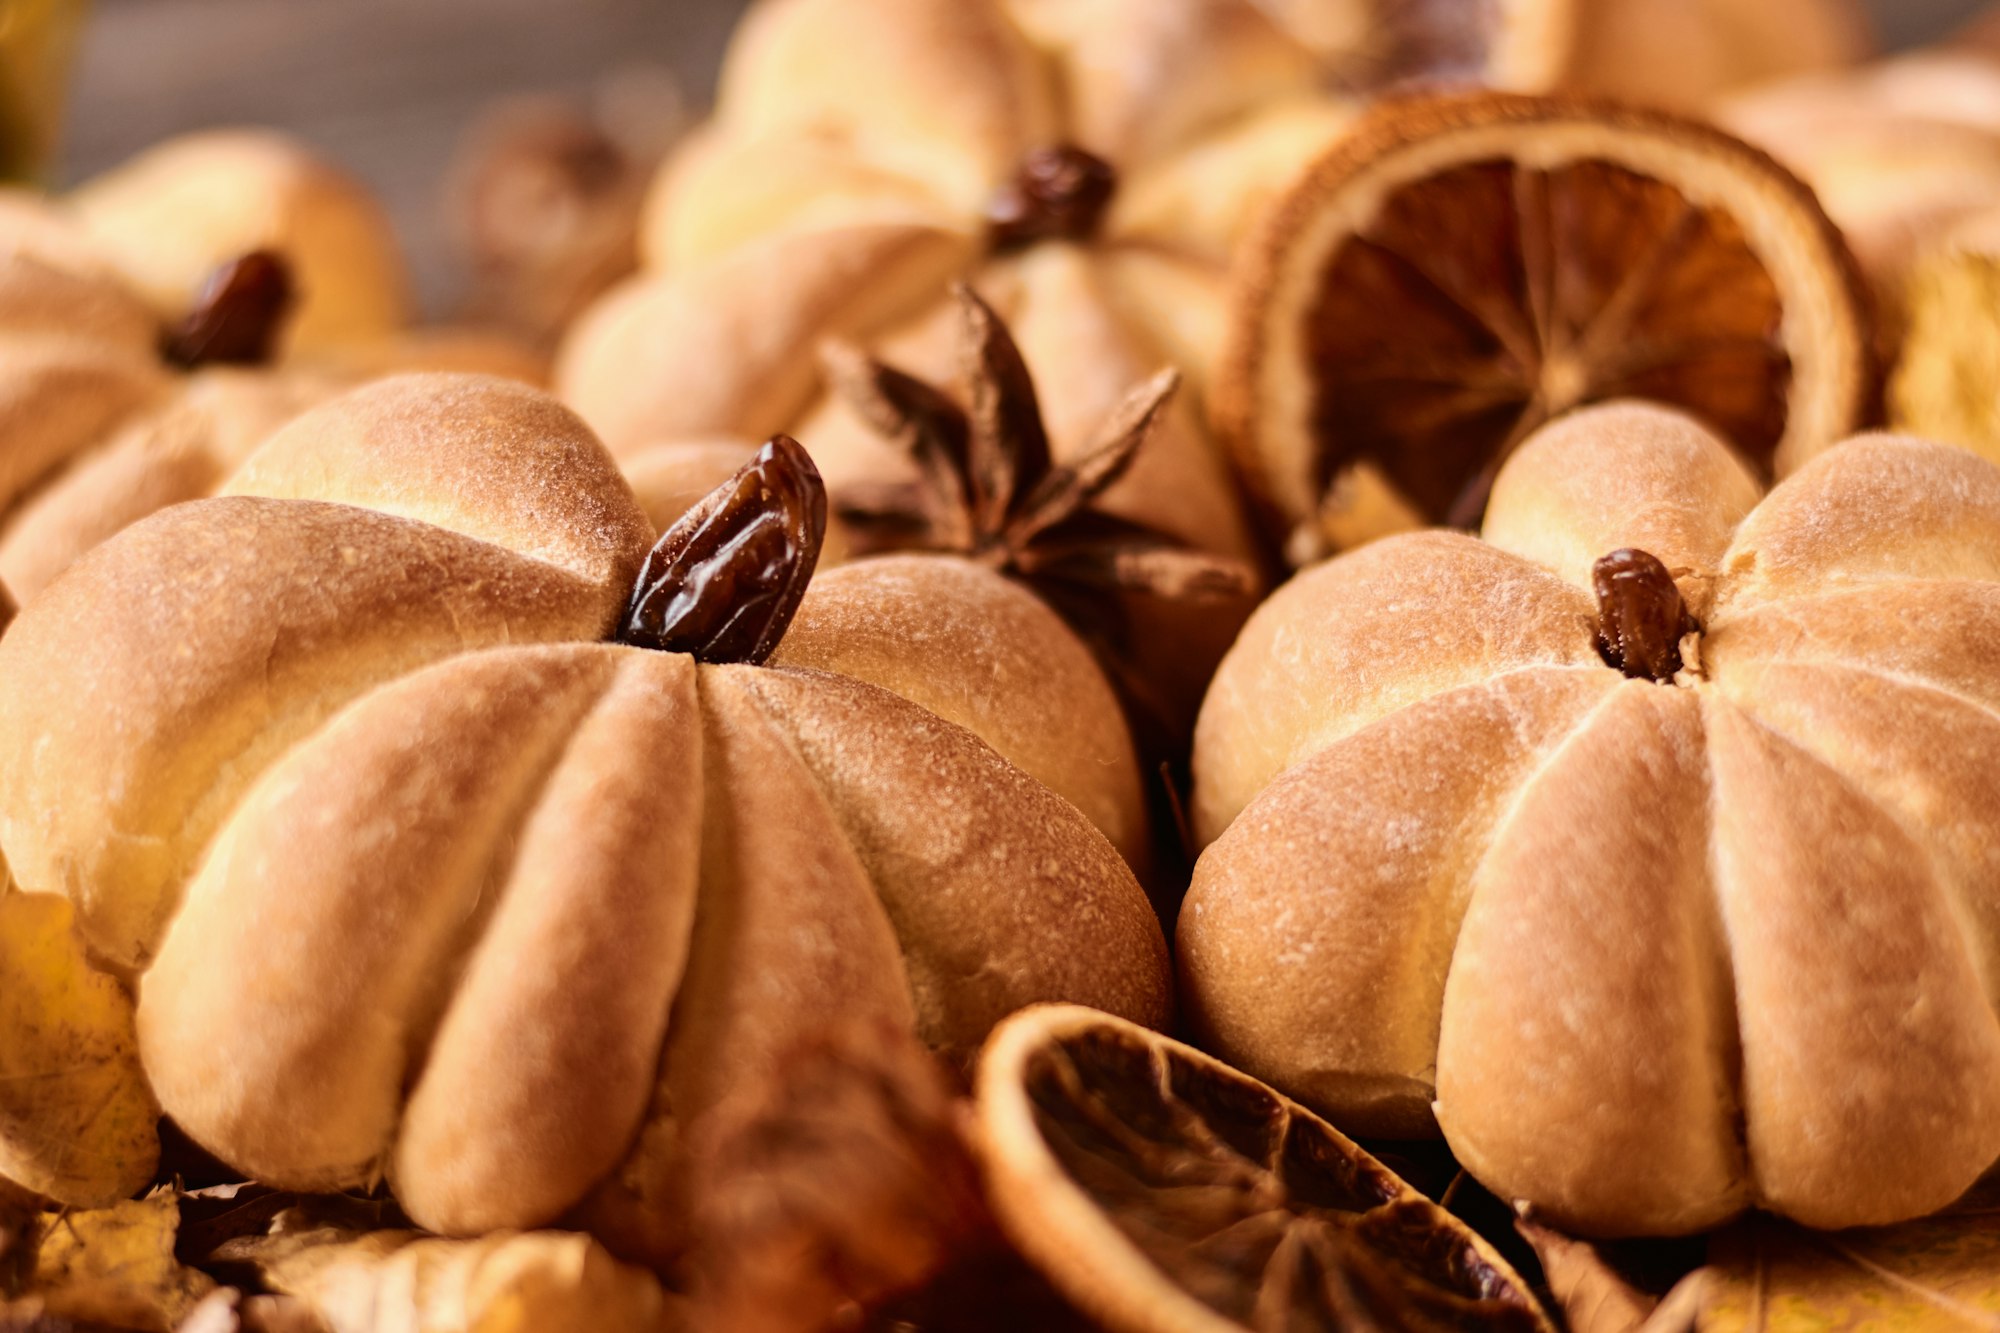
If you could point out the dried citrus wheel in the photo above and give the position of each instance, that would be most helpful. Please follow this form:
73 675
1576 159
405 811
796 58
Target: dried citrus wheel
1460 269
1162 1191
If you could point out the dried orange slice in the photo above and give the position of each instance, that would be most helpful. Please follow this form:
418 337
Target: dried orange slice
1162 1191
1460 269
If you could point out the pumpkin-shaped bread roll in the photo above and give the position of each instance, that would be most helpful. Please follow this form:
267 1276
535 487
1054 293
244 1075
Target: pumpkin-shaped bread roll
424 869
106 414
1651 842
169 216
1087 167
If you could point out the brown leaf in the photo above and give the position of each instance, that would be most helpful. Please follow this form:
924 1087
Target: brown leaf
227 1310
1765 1275
839 1186
1595 1297
1166 572
213 1217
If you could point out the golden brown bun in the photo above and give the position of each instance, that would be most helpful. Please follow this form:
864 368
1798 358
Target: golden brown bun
1204 108
180 450
1653 953
96 431
346 598
979 650
419 877
78 356
172 215
731 348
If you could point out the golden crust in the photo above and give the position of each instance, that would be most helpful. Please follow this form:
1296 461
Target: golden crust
1288 935
728 348
77 357
975 649
1201 105
1721 942
180 451
170 216
493 459
997 896
1589 984
407 892
1623 473
1442 610
124 750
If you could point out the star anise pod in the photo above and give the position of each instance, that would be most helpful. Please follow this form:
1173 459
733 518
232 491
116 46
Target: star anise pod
988 488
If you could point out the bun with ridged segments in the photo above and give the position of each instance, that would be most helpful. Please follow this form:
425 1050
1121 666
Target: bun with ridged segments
817 205
420 874
1651 951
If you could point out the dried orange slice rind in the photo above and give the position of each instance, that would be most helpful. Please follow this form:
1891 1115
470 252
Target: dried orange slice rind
1461 268
1162 1191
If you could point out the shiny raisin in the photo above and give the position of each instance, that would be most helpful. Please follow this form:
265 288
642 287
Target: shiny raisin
1060 192
725 580
236 319
1640 614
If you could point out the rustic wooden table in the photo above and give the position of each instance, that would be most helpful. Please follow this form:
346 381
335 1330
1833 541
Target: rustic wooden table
389 86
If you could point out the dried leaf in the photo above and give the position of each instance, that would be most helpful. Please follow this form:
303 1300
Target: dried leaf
1595 1297
78 1123
1162 570
1941 1273
116 1266
213 1217
1765 1275
508 1282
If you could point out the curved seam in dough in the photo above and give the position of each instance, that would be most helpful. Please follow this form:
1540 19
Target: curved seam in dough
1303 756
1739 1123
1496 832
1937 882
494 883
781 730
1899 679
1953 892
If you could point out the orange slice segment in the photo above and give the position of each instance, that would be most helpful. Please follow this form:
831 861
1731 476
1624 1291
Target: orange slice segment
1461 269
1162 1191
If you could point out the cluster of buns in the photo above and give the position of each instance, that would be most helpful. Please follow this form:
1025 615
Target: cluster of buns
391 860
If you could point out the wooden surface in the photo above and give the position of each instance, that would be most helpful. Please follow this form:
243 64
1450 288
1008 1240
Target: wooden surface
389 86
